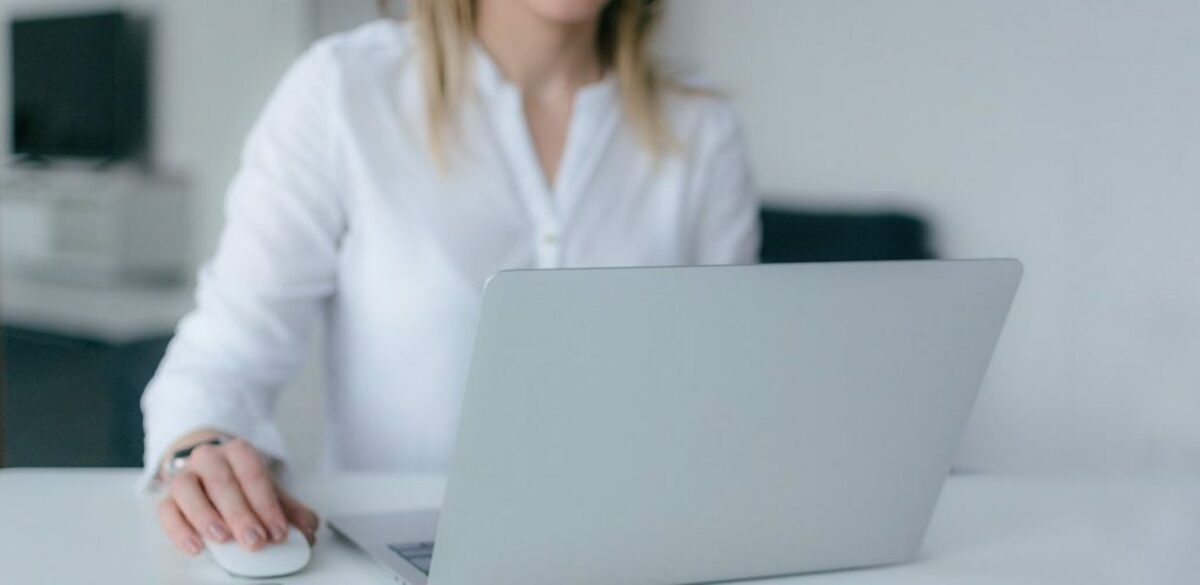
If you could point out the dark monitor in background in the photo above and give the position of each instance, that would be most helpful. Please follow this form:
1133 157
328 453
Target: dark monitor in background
79 86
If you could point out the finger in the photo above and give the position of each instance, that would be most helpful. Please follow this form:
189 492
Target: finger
189 496
300 516
258 486
177 527
226 495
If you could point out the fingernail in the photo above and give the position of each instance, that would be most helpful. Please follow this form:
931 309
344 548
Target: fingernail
252 536
218 532
279 532
192 544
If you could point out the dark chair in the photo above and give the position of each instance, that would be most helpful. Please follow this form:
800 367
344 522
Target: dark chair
792 235
72 401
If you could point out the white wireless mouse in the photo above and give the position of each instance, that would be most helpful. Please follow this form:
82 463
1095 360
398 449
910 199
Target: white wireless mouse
273 560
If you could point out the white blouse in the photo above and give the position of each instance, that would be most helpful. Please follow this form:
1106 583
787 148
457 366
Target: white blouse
338 213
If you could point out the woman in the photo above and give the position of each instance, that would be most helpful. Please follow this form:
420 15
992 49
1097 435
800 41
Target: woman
395 168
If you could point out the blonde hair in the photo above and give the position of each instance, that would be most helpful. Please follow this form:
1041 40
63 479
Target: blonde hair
444 30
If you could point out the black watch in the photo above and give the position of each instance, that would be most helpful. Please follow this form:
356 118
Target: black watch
179 458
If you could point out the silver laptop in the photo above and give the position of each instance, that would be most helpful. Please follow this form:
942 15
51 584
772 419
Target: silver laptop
684 425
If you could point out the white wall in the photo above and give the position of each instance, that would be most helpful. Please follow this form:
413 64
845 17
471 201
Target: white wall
1064 133
223 58
338 15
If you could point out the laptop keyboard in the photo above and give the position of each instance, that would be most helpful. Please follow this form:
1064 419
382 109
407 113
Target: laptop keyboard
419 555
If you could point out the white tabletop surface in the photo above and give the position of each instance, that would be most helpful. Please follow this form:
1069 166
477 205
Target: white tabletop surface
89 527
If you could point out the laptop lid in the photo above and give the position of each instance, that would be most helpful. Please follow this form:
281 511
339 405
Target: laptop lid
682 425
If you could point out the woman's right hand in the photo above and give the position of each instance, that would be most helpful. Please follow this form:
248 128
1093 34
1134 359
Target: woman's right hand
227 492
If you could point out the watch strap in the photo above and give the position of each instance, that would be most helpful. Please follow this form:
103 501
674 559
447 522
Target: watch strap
179 458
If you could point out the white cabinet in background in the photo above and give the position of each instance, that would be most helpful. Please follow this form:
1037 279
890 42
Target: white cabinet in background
93 227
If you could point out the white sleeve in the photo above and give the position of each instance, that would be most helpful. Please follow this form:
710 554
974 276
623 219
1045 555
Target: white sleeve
728 222
257 297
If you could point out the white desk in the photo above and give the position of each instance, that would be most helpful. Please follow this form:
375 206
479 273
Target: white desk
89 527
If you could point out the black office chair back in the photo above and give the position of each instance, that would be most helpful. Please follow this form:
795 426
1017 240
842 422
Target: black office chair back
792 235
